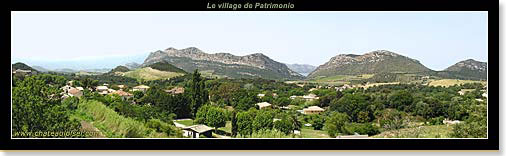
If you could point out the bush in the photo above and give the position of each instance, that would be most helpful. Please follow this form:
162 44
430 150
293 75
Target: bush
361 128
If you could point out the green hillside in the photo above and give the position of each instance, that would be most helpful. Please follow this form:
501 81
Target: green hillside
149 74
119 69
388 65
164 66
22 66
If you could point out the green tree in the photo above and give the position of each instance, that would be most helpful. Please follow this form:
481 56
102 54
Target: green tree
216 118
263 120
317 121
36 106
352 105
282 101
197 92
334 124
284 125
234 123
245 122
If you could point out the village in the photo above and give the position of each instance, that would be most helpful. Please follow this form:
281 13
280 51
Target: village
190 129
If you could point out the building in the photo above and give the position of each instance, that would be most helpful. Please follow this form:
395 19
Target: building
142 88
197 131
102 88
80 88
75 92
484 95
175 90
262 105
123 94
310 97
121 87
260 95
345 86
66 88
313 110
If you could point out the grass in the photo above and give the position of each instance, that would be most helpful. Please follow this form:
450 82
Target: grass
185 122
451 82
149 74
436 131
227 128
309 132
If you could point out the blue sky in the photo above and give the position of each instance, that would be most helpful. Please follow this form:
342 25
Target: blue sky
104 39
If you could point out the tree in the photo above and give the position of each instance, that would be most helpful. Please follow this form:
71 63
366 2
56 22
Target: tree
334 124
216 118
36 106
352 105
263 120
138 94
361 128
392 119
282 101
400 100
317 121
475 126
234 123
284 125
197 92
245 122
201 115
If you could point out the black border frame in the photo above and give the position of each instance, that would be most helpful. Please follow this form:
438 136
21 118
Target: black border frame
492 143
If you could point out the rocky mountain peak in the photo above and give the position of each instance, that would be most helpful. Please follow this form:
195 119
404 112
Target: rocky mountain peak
368 63
257 60
469 64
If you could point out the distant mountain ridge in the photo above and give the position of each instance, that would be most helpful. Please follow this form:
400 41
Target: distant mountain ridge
228 65
380 61
301 68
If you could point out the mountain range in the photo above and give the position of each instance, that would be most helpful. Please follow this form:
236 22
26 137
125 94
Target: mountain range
258 65
224 64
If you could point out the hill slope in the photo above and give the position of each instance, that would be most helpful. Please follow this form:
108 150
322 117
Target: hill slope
380 61
468 69
22 66
165 66
148 74
223 64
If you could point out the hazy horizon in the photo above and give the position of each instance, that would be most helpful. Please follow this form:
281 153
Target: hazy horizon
86 40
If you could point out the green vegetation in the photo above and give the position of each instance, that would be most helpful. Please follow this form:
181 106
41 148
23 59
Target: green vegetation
149 74
115 125
120 69
38 108
22 66
384 109
164 66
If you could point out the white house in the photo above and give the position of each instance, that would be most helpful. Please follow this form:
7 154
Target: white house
262 105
